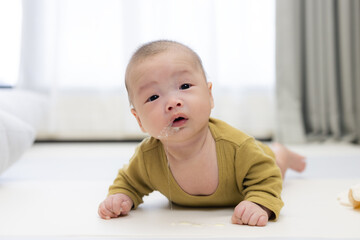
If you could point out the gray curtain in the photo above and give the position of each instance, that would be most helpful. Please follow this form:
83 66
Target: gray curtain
318 70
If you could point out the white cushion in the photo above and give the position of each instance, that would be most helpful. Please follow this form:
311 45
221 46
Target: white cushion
16 137
31 107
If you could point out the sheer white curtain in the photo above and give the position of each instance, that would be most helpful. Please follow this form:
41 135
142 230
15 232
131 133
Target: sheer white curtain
10 32
77 51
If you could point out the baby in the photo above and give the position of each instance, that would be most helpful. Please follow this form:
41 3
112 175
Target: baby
192 159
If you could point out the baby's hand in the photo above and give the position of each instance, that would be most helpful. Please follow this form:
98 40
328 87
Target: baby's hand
249 213
115 205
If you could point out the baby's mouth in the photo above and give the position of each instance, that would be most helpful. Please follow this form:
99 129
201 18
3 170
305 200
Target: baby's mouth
178 122
178 119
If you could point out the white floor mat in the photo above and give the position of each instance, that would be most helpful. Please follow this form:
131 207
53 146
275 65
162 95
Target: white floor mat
65 209
55 208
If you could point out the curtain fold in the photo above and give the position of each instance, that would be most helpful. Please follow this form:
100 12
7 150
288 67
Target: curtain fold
317 63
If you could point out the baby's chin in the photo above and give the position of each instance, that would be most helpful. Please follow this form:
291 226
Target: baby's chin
168 132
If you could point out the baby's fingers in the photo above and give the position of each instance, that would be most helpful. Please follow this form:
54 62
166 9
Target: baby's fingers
236 220
263 220
117 205
104 212
237 215
126 207
249 213
253 219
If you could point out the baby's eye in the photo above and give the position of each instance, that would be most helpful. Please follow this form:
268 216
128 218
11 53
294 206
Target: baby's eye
185 86
152 98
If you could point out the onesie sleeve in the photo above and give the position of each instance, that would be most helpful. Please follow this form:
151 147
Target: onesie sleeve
133 180
258 177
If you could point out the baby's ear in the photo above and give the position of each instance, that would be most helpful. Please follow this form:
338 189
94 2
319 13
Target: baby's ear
210 93
133 111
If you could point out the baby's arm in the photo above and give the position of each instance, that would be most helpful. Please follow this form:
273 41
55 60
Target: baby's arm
115 205
249 213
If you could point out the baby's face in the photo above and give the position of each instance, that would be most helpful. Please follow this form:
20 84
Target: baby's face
170 95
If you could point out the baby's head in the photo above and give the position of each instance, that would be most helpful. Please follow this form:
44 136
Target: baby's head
167 89
154 48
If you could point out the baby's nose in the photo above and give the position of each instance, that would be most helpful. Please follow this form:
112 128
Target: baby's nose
174 103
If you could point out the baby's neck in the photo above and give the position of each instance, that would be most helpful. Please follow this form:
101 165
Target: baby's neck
178 152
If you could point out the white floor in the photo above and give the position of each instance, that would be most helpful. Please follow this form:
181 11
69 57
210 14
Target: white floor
55 189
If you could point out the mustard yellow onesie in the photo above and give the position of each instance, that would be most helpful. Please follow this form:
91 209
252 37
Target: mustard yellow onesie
247 171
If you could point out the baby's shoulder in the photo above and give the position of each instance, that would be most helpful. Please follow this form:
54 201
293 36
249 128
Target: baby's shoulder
149 144
223 131
148 150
